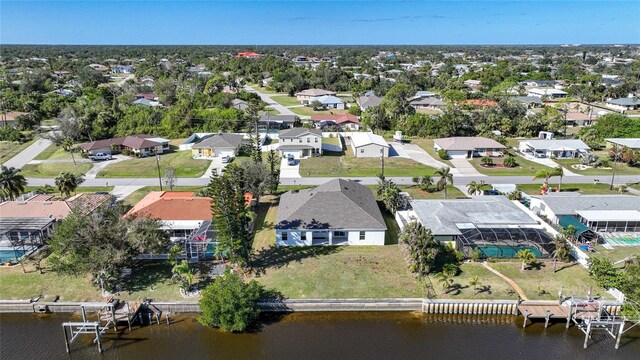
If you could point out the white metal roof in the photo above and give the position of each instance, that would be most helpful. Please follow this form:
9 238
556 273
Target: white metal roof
366 138
610 215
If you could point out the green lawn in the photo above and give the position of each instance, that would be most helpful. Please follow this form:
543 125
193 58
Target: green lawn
49 170
336 272
264 234
285 100
331 141
524 167
573 278
181 161
490 287
621 168
148 279
617 253
11 149
54 152
534 189
339 165
137 195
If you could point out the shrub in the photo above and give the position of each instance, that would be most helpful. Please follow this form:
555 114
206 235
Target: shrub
510 161
443 154
475 254
229 303
486 161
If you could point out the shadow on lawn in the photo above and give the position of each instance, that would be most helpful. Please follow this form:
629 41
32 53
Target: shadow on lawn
144 275
276 257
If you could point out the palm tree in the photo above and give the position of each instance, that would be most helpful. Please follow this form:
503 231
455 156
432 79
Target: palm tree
474 188
445 280
12 183
559 171
526 256
446 177
67 145
68 182
185 273
560 250
475 282
544 174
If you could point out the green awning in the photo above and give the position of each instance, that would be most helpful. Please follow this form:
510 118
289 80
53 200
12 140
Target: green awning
566 220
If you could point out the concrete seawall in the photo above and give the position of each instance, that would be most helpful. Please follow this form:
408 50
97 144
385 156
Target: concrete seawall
428 306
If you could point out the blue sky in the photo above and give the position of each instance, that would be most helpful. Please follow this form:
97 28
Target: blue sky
319 22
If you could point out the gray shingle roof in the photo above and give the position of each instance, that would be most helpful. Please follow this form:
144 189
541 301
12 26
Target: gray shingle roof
568 204
633 143
441 216
282 118
625 101
220 141
337 204
297 132
528 99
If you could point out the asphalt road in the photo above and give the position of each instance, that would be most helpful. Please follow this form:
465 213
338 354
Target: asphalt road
626 179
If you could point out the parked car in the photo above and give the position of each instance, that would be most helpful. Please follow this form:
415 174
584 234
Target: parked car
226 159
291 161
100 156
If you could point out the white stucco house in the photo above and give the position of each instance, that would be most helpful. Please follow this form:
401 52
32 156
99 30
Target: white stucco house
300 143
305 96
624 104
366 144
462 147
571 148
548 94
339 212
216 145
328 102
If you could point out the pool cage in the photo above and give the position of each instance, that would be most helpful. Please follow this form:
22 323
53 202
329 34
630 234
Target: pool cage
20 243
504 242
200 244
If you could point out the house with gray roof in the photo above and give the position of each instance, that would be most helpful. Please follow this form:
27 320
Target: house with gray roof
305 96
271 121
529 101
328 102
300 142
339 212
631 143
598 213
494 225
461 147
369 99
209 146
624 104
430 103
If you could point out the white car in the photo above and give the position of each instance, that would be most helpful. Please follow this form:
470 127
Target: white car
100 156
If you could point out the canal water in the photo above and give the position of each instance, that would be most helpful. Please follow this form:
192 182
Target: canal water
386 336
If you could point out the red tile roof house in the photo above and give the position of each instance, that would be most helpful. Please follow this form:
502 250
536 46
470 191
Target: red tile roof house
343 121
139 145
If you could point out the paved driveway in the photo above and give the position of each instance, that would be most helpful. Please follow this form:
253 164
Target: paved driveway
465 168
289 171
267 98
99 165
548 162
27 155
416 153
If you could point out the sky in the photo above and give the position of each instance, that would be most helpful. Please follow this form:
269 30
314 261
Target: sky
313 22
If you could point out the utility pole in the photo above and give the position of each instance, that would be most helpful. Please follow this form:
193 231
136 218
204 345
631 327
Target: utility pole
382 160
615 151
158 165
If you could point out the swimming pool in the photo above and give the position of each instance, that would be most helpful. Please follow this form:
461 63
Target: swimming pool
505 251
8 255
623 240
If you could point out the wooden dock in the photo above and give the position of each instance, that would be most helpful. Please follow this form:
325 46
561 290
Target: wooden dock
554 311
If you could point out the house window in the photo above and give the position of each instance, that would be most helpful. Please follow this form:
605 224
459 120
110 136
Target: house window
300 140
284 236
339 233
303 236
363 235
362 151
316 140
308 140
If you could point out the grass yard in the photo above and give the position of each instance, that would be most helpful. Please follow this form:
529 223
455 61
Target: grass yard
490 286
265 234
339 165
452 193
331 141
181 161
308 111
137 195
54 152
617 253
593 189
49 170
336 272
10 149
151 279
621 168
524 167
573 278
285 100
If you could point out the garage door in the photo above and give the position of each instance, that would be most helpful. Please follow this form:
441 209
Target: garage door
296 154
224 153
